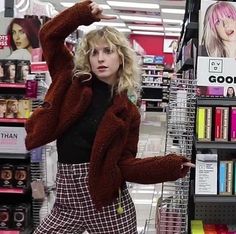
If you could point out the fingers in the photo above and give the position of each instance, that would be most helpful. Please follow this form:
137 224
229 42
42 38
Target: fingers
96 10
188 164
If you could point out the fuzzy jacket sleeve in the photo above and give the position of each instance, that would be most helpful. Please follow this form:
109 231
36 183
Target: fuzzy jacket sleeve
53 34
149 170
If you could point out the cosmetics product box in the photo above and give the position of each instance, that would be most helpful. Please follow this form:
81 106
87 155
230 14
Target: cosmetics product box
25 108
6 175
12 108
5 217
23 70
10 71
206 174
3 108
2 77
21 176
21 216
221 123
233 124
226 178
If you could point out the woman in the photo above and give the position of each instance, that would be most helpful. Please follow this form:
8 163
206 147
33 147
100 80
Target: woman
230 92
23 37
96 127
219 32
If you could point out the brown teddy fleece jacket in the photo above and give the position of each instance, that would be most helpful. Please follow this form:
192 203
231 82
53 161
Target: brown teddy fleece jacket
112 160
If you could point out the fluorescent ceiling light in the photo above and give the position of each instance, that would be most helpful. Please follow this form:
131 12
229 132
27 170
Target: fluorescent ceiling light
123 29
173 11
140 18
172 21
146 28
148 33
113 24
70 4
172 34
173 29
67 4
133 5
105 6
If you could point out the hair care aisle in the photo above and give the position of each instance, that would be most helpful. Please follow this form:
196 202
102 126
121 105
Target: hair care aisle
151 143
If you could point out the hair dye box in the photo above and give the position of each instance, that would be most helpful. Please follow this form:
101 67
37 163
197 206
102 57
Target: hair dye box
226 177
23 69
206 174
233 124
221 123
21 216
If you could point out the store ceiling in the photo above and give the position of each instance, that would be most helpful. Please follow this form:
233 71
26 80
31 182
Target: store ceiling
157 20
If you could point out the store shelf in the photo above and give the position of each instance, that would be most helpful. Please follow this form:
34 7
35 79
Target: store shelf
152 87
152 100
215 145
188 64
12 191
14 156
215 198
13 120
216 101
191 31
12 231
10 85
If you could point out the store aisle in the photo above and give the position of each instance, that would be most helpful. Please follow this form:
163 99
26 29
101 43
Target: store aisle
151 142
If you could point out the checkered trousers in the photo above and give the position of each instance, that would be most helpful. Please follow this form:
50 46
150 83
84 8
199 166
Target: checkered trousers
74 212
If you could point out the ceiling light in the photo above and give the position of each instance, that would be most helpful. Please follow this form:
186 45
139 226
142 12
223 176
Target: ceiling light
123 29
70 4
67 4
112 24
172 21
173 29
139 18
19 4
148 33
105 6
172 34
146 28
173 11
133 5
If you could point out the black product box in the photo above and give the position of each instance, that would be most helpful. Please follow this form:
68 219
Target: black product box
21 216
10 71
23 69
5 217
21 176
6 175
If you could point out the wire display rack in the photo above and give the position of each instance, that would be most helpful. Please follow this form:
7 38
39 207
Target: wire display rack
172 207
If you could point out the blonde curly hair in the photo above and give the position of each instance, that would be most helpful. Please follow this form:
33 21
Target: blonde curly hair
129 71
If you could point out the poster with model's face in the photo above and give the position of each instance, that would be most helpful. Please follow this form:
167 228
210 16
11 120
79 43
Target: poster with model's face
217 49
217 29
19 39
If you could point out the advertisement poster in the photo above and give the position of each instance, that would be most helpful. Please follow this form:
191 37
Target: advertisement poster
217 29
19 39
216 76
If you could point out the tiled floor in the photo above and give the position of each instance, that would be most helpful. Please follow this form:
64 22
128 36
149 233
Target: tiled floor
151 142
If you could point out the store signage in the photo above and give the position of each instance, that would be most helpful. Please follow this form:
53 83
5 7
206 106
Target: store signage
216 72
12 140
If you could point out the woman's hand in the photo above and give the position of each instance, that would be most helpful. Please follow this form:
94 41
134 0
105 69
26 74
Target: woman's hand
96 11
185 167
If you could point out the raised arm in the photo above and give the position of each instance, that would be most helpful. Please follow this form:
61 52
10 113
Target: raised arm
53 33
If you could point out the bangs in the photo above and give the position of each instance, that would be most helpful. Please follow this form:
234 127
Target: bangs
222 11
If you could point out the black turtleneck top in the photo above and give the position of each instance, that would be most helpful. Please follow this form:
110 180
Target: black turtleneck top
75 145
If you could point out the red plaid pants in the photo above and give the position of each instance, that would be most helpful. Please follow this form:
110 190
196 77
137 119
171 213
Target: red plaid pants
74 211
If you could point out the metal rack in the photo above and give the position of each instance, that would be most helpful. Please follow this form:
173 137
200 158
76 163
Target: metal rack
172 216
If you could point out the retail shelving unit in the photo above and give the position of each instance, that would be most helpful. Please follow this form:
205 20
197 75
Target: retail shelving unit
173 206
152 82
